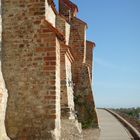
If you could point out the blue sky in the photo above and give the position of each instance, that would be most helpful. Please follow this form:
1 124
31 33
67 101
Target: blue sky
114 25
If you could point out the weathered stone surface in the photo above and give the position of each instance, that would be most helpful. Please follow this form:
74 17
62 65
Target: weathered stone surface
81 67
84 103
47 70
71 130
67 98
31 69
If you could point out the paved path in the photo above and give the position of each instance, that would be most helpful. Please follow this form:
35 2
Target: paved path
111 128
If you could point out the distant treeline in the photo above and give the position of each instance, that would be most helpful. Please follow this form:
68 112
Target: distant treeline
131 115
131 112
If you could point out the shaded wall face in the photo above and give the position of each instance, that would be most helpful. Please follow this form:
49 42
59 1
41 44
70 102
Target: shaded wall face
89 58
69 83
60 24
64 99
84 103
31 70
67 9
67 101
63 27
78 39
89 53
64 10
83 97
57 101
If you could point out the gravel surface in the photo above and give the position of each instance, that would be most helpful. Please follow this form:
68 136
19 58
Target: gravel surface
91 134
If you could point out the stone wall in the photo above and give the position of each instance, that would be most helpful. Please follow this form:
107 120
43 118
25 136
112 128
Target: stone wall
64 27
89 57
46 69
64 95
67 9
69 83
56 102
78 39
31 57
82 75
81 67
67 100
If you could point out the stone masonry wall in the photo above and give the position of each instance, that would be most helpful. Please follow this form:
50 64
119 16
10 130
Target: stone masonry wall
82 77
78 39
31 69
67 102
64 27
64 96
57 110
69 83
89 57
83 97
46 69
67 9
